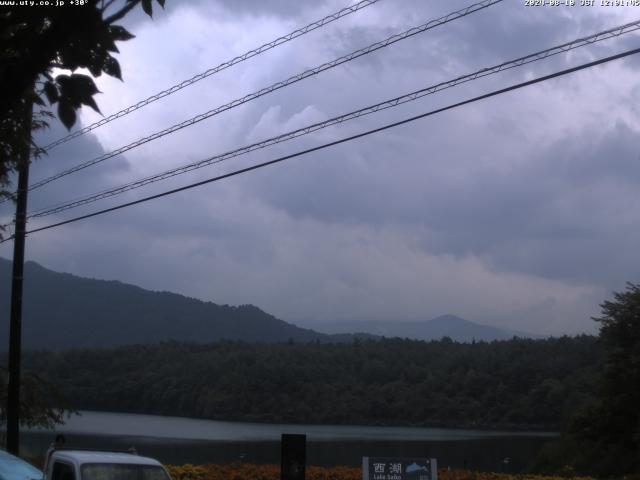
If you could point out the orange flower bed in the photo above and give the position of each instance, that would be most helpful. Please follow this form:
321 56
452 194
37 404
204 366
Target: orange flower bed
247 471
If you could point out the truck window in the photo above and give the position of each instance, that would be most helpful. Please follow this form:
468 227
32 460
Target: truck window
62 471
118 471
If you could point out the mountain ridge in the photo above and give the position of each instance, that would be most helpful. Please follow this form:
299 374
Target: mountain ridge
76 312
62 310
452 326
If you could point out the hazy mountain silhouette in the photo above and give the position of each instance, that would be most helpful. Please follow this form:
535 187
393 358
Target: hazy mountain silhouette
451 326
61 310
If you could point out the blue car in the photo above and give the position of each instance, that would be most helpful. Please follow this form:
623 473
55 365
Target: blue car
14 468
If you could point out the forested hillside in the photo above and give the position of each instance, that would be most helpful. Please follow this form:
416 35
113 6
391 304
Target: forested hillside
508 384
66 311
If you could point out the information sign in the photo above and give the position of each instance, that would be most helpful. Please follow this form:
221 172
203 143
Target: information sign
391 468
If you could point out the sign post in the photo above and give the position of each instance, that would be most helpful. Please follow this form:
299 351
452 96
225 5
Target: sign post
294 457
391 468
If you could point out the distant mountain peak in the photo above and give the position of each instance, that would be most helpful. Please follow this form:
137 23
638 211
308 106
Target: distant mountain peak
448 325
100 313
449 319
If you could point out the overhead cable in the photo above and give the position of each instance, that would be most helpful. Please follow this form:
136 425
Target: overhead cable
223 66
337 142
533 57
276 86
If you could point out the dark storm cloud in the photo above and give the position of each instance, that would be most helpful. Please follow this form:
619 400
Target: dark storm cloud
281 8
61 158
65 156
551 217
525 203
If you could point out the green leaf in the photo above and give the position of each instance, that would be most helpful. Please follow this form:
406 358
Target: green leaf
119 33
95 69
112 67
63 82
51 91
75 55
112 48
108 42
90 102
67 114
83 84
147 6
76 90
161 3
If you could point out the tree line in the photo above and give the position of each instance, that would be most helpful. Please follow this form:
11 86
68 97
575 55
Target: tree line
584 386
519 384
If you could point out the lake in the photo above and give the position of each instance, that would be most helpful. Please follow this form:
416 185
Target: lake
184 440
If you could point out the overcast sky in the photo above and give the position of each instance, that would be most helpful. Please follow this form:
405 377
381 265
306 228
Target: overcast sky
520 211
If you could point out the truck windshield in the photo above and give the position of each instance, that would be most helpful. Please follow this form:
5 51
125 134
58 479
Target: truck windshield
121 471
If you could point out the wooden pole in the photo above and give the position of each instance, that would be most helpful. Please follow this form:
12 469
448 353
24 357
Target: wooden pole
15 326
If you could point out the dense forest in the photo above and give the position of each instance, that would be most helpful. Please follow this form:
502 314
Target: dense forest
523 384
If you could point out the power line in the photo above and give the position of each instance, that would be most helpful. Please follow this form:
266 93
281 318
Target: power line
223 66
537 56
276 86
343 140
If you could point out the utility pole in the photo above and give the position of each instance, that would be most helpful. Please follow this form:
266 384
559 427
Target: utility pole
15 326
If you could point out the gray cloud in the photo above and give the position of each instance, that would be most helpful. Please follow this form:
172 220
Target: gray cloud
517 211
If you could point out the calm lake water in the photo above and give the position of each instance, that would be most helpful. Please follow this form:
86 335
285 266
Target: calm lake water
184 440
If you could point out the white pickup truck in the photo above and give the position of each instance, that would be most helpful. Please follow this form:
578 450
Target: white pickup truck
69 464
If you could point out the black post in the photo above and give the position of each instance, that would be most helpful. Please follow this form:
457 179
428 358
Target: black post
293 457
15 327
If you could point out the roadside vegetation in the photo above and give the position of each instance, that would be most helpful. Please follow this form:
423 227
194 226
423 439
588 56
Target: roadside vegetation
243 471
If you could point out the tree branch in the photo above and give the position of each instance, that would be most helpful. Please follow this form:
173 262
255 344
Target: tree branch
104 6
122 12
